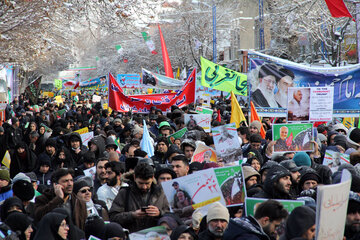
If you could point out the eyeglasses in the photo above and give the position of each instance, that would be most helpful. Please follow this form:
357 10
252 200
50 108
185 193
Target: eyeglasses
64 225
85 190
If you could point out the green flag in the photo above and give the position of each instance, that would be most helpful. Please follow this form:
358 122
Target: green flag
223 79
177 135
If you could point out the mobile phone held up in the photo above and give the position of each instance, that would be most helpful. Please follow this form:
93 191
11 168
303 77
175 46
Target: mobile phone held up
143 209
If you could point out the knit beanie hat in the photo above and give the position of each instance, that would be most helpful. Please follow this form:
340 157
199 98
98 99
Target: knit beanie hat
23 189
217 211
80 184
196 217
302 159
249 172
256 124
4 174
309 175
299 221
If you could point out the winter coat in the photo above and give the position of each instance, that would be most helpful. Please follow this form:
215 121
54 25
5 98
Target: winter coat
28 164
77 157
129 199
244 229
48 201
6 192
13 137
99 141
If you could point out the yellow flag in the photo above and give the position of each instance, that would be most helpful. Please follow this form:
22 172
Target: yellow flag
6 160
178 73
348 122
237 115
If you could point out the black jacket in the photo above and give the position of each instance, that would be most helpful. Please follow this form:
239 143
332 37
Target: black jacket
244 229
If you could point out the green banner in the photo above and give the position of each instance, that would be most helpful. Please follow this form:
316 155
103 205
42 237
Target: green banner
204 110
177 135
58 83
251 204
231 182
223 79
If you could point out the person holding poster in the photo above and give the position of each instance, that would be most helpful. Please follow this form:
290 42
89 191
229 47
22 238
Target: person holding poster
298 107
264 96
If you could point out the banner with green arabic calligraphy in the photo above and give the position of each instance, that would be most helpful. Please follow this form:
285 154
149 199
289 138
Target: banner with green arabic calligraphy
223 79
33 91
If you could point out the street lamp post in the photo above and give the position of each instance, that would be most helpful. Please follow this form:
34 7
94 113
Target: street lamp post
214 32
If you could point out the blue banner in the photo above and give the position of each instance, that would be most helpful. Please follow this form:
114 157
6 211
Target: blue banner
269 78
94 83
128 80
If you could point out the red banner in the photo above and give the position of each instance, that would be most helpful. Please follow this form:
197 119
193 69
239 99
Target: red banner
142 103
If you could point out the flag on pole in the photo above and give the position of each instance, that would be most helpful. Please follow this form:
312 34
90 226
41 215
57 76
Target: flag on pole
120 51
255 117
6 159
218 116
146 143
338 8
237 115
178 73
183 74
165 55
149 43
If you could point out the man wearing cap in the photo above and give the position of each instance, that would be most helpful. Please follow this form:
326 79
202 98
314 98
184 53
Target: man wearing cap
108 191
164 174
295 175
309 178
255 127
251 176
5 184
140 205
217 221
165 129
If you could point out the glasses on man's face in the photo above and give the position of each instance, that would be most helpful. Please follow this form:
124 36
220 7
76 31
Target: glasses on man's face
85 190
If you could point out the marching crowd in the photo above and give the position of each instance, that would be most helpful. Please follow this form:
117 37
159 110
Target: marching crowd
45 193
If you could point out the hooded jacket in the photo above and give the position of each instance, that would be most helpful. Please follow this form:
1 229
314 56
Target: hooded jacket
244 229
129 199
76 157
270 191
99 141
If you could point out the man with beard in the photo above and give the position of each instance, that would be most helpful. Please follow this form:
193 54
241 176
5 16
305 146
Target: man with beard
108 191
352 225
263 96
217 222
101 176
277 184
285 81
284 143
140 205
268 216
295 175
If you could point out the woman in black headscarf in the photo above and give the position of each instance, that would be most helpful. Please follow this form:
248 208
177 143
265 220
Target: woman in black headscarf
52 226
21 224
12 204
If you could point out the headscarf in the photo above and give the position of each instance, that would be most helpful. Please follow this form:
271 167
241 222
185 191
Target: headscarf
18 222
48 227
8 203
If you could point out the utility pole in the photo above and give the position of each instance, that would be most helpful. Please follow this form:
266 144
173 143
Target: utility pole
214 32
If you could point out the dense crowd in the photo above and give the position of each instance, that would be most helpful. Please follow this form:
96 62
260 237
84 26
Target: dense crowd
46 194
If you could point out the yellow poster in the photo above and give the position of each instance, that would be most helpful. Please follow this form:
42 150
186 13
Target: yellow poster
82 130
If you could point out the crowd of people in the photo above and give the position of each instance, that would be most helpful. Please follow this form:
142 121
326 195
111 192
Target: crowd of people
46 192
